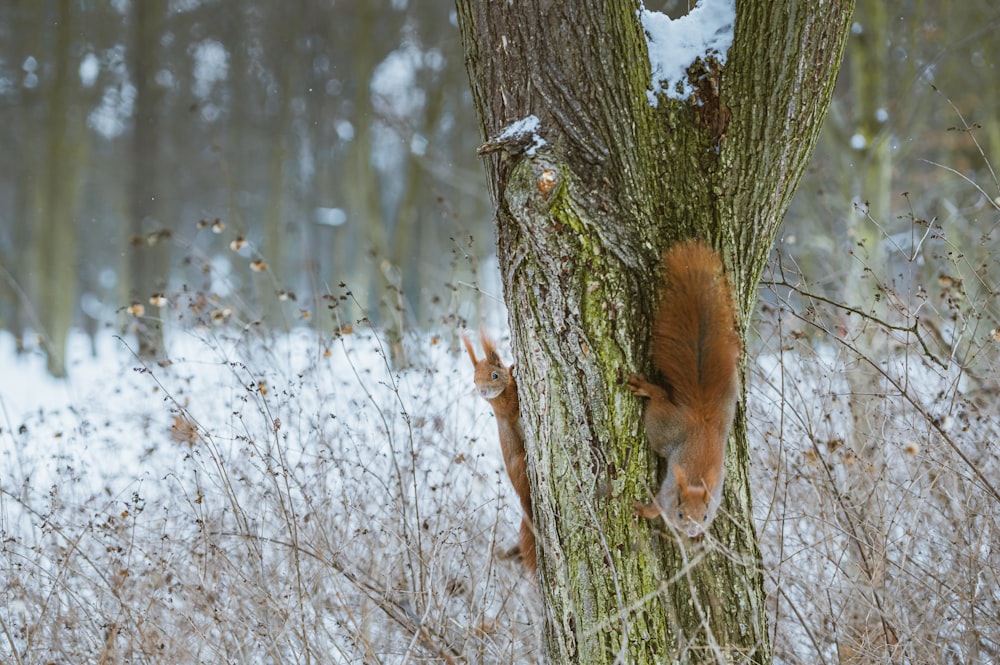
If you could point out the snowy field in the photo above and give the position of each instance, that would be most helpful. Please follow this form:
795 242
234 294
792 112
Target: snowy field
255 500
292 498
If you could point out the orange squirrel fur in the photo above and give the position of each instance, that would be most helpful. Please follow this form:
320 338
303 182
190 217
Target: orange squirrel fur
696 348
495 382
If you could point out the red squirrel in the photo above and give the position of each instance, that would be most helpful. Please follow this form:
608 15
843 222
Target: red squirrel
495 382
696 348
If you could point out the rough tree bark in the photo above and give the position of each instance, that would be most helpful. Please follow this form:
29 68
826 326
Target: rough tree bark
581 224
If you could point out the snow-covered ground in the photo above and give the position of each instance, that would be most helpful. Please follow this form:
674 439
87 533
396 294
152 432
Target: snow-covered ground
255 495
291 497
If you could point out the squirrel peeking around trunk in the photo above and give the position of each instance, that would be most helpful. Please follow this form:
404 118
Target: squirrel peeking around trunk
495 383
696 348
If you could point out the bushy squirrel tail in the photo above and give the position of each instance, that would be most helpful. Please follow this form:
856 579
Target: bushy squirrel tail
695 344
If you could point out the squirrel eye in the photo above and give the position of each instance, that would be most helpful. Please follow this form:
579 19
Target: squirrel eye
680 514
495 376
705 518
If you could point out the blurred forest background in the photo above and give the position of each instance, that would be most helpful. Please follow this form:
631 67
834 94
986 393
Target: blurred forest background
314 161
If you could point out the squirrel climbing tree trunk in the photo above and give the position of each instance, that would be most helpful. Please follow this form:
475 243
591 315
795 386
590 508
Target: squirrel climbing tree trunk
590 183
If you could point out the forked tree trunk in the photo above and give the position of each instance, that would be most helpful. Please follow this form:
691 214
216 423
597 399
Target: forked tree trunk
581 224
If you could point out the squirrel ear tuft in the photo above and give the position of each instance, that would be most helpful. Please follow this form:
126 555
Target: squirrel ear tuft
468 347
489 348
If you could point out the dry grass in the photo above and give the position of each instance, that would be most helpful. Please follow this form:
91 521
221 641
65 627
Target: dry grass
296 498
309 510
878 466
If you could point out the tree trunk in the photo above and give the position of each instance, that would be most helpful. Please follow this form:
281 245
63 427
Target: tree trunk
58 197
149 246
581 224
287 84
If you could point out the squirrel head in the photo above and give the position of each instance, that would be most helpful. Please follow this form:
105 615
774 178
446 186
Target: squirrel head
695 506
492 376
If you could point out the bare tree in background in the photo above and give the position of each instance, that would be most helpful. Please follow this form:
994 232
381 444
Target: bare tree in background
56 196
148 254
580 228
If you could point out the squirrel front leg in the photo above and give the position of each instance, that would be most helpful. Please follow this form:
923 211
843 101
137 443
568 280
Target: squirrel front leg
650 511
